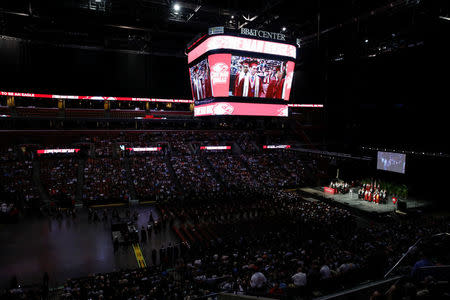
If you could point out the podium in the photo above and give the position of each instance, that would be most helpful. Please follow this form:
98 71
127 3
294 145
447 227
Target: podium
329 190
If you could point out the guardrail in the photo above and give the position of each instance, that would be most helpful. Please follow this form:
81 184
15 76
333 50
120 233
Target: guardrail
362 290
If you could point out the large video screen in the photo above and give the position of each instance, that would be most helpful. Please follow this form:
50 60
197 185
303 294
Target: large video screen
260 78
200 80
225 75
390 161
233 75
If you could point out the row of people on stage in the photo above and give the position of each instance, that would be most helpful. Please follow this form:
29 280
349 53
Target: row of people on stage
341 187
373 195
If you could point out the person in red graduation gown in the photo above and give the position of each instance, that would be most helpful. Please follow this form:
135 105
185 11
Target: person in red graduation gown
207 83
194 83
255 87
275 88
269 75
240 80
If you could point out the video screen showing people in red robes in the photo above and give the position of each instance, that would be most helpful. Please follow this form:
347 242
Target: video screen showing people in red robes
200 80
259 78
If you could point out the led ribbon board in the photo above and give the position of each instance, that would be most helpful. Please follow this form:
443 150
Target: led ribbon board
53 151
276 146
242 44
99 98
215 147
142 149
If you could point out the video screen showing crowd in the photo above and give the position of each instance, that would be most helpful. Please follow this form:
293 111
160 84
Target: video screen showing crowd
258 78
201 81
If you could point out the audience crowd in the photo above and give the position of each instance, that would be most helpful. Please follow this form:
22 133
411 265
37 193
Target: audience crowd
104 146
8 154
193 175
248 235
277 169
231 169
271 243
151 177
16 183
59 177
105 179
111 174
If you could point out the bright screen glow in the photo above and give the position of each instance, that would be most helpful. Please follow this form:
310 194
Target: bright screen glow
215 147
143 149
265 80
224 75
390 161
241 44
53 151
276 146
220 73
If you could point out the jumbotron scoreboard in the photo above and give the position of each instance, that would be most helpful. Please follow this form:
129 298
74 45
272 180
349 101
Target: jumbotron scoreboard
247 72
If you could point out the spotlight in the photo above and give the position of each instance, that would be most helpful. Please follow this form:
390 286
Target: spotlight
366 41
232 17
176 7
283 29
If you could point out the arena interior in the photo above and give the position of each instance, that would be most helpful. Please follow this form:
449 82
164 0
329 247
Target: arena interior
200 149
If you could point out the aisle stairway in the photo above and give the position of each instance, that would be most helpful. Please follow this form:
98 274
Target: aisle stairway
37 182
250 170
126 165
173 176
80 182
206 162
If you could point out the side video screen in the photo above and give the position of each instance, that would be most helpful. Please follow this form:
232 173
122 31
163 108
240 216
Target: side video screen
390 161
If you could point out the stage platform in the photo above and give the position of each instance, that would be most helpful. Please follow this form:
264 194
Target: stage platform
351 199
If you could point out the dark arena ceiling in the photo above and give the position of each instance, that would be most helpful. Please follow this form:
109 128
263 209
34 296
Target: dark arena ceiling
157 27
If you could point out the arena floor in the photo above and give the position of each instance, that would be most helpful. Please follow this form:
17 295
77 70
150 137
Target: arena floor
70 248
